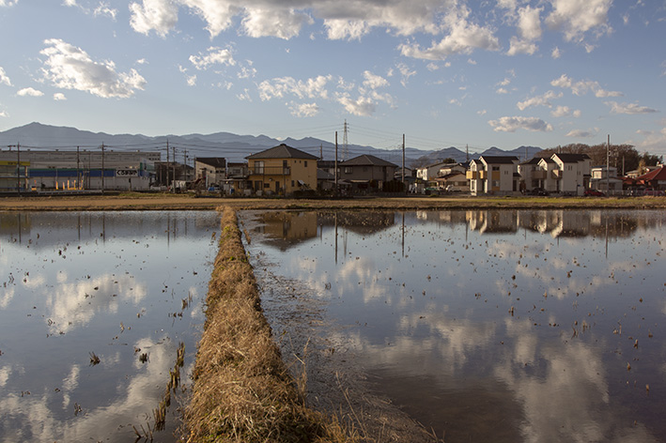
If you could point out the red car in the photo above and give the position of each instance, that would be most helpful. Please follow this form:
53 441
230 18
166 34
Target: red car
594 193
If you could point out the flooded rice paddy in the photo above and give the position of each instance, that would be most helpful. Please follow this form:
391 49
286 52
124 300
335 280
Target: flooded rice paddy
503 326
93 309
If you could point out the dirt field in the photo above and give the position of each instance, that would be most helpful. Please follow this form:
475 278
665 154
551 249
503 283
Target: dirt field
129 202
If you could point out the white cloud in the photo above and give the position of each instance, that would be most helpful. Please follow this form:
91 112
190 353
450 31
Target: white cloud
463 38
8 3
405 72
629 108
540 100
104 10
215 56
363 106
529 23
29 92
556 53
583 87
576 17
501 91
70 67
59 96
518 46
565 111
580 133
191 80
274 22
160 16
244 96
511 124
304 109
4 80
4 114
280 87
373 81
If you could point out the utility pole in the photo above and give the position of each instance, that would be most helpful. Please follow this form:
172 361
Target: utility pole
102 167
608 164
344 143
403 163
336 164
18 168
173 188
166 182
78 170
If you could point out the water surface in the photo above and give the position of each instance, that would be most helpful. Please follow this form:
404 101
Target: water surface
127 287
503 326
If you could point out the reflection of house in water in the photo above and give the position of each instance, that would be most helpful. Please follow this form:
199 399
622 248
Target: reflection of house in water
369 222
496 222
287 229
576 223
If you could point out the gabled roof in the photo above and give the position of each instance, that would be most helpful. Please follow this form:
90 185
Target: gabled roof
533 161
657 174
547 160
216 162
499 159
324 175
367 160
282 151
572 158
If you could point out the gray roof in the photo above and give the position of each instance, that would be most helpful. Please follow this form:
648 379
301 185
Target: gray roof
532 161
367 160
216 162
282 151
499 159
572 158
324 175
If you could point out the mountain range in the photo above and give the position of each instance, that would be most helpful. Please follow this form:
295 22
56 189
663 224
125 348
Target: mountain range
233 147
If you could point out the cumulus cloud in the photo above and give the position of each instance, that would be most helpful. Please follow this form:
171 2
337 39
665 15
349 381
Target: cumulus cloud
69 67
271 22
304 109
29 92
215 56
512 124
583 87
629 108
540 100
284 86
565 111
373 81
463 38
577 17
4 79
556 53
59 96
362 106
160 16
7 3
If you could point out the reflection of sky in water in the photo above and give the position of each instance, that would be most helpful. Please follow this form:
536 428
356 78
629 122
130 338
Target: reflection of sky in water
108 283
537 313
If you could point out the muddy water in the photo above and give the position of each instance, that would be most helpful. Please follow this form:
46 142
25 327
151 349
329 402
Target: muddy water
126 287
500 326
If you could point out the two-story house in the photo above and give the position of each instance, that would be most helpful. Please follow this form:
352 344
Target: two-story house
573 172
367 171
282 170
493 175
210 170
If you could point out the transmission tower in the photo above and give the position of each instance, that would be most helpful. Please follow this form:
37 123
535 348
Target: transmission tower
344 142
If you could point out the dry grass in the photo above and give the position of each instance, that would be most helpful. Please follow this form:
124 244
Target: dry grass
242 390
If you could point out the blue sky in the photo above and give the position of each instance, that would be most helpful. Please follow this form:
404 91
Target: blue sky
445 73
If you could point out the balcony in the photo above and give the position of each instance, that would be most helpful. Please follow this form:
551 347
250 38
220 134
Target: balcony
539 175
270 170
472 175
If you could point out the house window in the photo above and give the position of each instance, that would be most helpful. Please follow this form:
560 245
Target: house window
496 184
496 168
305 163
292 183
348 170
267 185
506 172
259 167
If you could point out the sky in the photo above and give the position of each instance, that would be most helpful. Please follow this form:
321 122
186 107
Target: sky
504 73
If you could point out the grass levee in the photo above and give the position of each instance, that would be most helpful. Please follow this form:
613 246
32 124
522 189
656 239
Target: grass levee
242 390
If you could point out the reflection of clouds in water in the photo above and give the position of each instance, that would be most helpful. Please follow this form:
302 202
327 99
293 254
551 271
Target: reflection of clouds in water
6 297
33 282
73 305
32 420
5 372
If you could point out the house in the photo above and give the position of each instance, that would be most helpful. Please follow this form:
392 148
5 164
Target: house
210 170
572 175
453 182
531 175
431 172
653 180
282 170
605 179
367 172
493 175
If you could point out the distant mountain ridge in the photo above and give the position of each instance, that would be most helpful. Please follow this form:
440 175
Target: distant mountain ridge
231 146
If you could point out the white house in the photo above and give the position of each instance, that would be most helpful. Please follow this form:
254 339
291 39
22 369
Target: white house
573 174
493 175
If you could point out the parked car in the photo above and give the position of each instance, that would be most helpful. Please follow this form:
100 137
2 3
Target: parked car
594 193
653 192
538 191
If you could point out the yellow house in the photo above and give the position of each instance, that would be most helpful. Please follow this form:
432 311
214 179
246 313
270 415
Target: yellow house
282 170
